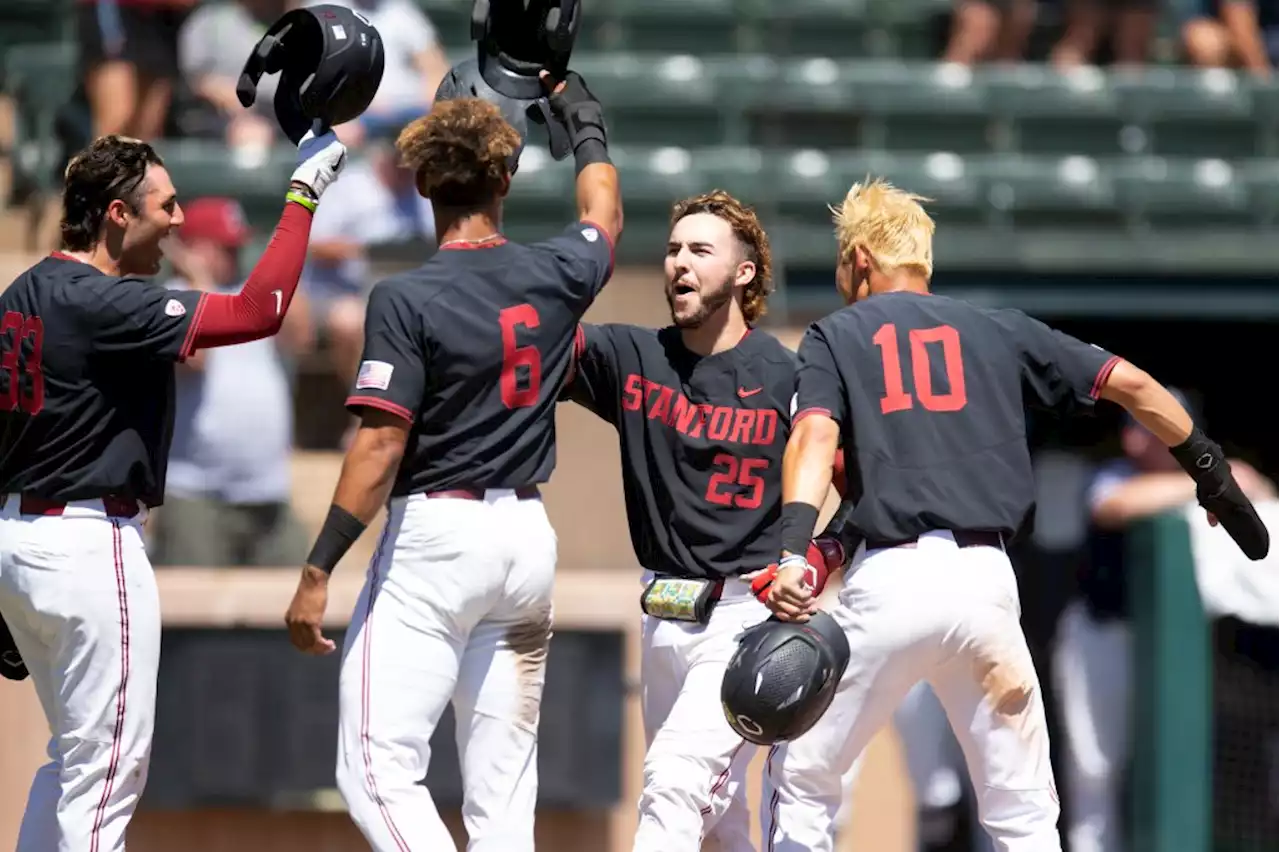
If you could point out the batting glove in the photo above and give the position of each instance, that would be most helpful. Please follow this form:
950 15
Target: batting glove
11 664
825 555
320 161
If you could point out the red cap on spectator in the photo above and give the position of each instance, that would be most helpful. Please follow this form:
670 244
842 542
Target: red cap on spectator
220 220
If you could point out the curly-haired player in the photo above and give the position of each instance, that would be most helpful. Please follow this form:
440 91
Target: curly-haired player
703 410
463 360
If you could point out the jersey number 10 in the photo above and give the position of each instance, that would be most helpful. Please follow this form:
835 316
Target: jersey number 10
895 396
15 329
513 357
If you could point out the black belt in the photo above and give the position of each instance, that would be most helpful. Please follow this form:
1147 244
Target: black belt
113 506
964 538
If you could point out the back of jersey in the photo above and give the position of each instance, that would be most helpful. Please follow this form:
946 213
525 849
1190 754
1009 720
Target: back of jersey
931 395
472 349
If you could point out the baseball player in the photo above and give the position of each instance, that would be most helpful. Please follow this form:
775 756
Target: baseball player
463 360
703 409
929 394
87 351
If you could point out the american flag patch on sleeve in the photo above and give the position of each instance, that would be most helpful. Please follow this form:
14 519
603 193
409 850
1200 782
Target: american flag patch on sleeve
374 374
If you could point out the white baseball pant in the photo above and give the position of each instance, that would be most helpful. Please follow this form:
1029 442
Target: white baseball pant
80 598
695 766
948 615
1093 669
456 608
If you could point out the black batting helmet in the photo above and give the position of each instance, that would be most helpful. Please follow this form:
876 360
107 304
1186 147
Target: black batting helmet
782 677
330 60
464 80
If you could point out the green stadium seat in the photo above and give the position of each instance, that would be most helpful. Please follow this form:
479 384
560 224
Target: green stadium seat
1190 112
656 100
1266 99
200 167
41 78
1261 179
920 107
1045 112
1188 192
452 20
1049 191
833 28
698 27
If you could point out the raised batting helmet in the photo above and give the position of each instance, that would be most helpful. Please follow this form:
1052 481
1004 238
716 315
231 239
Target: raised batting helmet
782 678
465 81
330 60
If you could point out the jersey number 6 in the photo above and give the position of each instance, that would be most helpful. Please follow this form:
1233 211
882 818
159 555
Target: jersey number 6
15 329
895 396
513 357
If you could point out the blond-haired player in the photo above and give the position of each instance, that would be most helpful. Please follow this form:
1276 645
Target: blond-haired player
929 394
703 409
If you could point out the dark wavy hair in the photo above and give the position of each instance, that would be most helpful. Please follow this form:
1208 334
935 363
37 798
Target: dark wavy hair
749 232
112 167
458 152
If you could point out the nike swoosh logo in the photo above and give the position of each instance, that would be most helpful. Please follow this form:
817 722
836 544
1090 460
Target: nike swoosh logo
279 300
744 393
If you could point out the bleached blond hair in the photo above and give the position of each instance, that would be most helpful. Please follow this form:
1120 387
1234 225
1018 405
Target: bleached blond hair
888 223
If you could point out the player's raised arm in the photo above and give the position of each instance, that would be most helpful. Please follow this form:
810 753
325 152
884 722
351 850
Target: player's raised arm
259 308
1152 405
599 199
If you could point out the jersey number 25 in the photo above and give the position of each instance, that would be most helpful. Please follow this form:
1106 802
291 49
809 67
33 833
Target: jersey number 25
895 396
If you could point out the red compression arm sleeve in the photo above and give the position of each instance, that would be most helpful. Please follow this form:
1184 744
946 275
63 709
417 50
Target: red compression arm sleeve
223 319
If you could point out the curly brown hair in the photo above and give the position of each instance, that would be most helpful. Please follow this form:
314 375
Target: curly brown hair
112 167
459 152
755 243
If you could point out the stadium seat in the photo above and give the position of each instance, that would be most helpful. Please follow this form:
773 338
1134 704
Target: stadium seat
832 28
41 77
696 27
1054 191
1165 191
1045 112
1261 179
200 167
656 99
1190 113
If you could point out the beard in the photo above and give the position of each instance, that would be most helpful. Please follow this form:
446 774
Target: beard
708 303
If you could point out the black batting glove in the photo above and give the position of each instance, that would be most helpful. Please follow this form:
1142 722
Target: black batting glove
1219 493
11 664
579 110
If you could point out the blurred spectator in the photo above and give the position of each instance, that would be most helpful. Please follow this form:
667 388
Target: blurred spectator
214 44
990 31
374 202
129 53
1233 34
415 65
1093 660
1127 25
229 480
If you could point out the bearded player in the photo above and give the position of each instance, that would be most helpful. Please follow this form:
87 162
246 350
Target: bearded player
703 409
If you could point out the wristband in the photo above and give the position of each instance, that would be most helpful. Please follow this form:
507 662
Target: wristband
590 151
1198 455
298 197
798 521
340 531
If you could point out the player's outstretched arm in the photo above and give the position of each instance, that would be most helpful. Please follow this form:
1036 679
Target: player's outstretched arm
599 198
368 472
1159 411
259 308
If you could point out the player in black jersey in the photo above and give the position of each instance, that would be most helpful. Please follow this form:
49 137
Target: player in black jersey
929 394
702 409
463 360
87 353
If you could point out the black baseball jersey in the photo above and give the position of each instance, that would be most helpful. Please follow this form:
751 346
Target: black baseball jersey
930 394
86 381
702 441
472 349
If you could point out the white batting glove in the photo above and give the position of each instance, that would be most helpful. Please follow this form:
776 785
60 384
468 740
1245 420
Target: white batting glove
320 161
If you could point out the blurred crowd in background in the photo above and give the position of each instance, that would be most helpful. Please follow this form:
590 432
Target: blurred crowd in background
168 68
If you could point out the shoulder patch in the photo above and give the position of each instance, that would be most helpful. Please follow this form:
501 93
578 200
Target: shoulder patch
174 308
374 374
590 234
